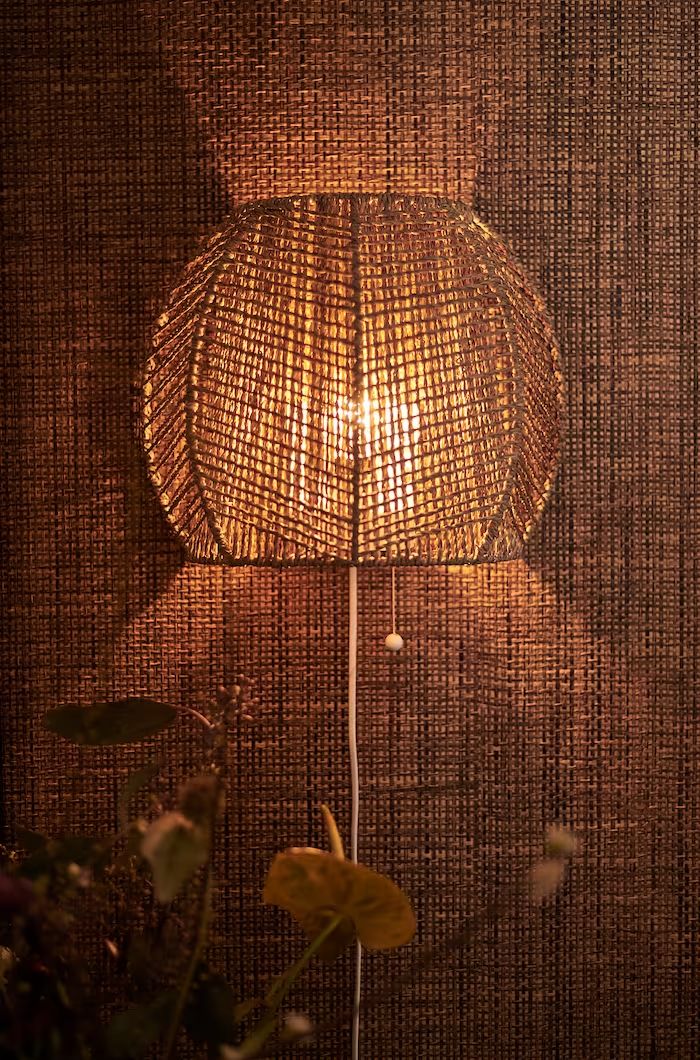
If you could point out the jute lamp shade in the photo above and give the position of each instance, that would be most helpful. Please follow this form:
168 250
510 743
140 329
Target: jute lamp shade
358 379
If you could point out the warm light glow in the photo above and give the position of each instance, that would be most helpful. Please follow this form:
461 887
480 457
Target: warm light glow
353 378
400 425
393 427
390 427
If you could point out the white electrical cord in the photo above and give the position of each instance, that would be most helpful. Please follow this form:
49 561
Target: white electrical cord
393 599
355 786
394 642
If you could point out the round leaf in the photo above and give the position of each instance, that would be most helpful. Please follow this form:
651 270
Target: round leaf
338 940
132 1032
210 1015
311 883
105 724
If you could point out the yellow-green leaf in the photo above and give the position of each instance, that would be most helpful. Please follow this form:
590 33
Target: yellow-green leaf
338 940
313 885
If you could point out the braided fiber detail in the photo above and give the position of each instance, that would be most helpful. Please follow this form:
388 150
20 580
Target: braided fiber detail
367 378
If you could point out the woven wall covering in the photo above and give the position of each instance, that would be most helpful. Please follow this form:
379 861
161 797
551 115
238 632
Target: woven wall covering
354 378
561 689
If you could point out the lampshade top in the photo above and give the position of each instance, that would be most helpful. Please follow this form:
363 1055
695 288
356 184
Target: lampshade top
357 379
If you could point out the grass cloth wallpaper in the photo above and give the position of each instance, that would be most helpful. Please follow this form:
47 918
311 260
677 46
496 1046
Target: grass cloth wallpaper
560 688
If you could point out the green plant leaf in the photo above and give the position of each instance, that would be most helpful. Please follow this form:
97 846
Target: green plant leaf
175 848
132 1032
105 724
136 781
31 841
210 1013
56 854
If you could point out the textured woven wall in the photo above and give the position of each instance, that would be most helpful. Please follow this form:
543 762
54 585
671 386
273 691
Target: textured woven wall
561 689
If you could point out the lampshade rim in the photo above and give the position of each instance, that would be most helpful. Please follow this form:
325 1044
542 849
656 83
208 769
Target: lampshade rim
454 206
336 563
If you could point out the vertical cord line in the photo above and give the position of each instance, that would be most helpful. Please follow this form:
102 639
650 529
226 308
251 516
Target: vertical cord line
354 785
393 599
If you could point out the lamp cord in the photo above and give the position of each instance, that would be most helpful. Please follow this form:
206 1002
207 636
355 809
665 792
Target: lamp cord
393 599
355 786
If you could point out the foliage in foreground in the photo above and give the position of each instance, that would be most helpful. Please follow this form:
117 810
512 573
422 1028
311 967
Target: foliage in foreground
151 882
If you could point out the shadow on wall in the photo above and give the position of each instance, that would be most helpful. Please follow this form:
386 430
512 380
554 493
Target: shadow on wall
487 728
310 97
106 196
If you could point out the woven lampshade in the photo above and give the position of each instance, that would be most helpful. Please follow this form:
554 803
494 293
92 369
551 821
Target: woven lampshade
357 379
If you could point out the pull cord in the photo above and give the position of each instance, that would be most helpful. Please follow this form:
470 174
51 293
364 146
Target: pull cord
393 642
355 787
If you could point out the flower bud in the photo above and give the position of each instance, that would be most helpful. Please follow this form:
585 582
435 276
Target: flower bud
559 842
297 1025
545 877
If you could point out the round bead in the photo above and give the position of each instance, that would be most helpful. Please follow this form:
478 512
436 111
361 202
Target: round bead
394 642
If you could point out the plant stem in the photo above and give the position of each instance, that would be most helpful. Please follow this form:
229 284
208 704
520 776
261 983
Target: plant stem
206 909
198 715
259 1035
430 956
195 957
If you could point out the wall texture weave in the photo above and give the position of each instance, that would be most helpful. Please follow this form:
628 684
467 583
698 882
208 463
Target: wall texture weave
564 688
